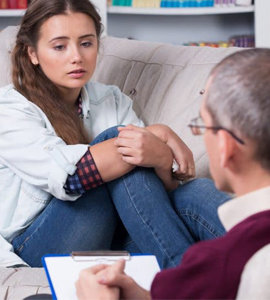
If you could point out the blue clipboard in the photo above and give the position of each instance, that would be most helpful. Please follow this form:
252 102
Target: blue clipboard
62 271
47 271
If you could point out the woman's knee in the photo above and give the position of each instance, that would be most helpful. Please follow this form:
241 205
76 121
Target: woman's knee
107 134
199 193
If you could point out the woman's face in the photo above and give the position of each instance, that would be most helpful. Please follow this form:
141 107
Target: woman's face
67 51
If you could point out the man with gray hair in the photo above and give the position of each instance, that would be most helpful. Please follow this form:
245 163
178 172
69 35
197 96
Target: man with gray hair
234 120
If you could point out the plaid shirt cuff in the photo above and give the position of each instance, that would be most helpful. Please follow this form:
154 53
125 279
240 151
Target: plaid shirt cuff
86 176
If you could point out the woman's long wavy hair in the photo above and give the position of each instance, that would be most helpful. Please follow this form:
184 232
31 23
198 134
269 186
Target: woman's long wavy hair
31 81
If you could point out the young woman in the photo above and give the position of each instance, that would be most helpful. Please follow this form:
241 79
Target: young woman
58 194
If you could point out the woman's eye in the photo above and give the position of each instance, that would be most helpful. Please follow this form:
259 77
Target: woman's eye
86 44
59 47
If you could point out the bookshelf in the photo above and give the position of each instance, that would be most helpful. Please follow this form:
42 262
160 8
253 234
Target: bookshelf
198 22
179 11
152 11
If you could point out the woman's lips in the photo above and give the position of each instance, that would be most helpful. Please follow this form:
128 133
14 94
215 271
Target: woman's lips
77 73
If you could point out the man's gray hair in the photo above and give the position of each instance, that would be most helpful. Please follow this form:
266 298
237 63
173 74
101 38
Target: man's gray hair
239 98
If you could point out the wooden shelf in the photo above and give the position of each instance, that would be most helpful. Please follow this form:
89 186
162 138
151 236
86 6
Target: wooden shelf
180 11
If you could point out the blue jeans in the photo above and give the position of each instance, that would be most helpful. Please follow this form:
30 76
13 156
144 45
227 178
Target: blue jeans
65 226
196 204
151 221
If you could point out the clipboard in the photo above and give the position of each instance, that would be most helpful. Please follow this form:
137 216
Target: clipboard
62 271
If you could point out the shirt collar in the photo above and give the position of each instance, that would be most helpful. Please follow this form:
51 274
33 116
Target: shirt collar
79 106
82 103
235 211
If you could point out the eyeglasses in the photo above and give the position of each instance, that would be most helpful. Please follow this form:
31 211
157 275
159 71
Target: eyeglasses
198 128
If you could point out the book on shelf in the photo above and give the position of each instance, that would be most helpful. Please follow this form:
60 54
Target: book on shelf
13 4
243 41
222 3
22 4
3 4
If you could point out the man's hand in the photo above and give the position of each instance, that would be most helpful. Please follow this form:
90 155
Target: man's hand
114 276
88 288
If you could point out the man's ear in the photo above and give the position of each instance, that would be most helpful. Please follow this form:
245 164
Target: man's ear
227 149
32 55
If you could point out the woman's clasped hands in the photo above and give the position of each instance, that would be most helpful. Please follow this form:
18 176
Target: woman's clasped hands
156 146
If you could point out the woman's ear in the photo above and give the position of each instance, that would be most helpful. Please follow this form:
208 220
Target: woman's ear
32 55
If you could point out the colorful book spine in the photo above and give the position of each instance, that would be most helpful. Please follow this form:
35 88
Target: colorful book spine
148 3
231 2
162 3
175 3
204 3
136 3
12 4
142 3
122 2
22 4
187 3
242 41
3 4
225 3
156 3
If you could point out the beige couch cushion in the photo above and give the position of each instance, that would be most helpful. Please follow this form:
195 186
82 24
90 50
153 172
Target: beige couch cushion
17 284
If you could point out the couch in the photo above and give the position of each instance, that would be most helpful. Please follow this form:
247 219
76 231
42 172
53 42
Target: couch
164 82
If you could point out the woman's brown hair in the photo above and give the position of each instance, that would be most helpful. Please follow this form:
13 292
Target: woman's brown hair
31 81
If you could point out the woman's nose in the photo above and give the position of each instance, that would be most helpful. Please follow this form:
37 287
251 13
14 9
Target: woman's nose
76 56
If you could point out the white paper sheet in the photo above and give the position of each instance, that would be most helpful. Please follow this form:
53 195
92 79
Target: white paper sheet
63 272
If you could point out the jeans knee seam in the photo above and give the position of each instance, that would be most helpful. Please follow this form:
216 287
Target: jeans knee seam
161 247
201 221
20 248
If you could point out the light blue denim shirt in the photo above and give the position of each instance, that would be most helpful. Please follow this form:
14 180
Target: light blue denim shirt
35 162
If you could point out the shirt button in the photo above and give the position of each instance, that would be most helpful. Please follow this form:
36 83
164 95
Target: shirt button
49 148
133 92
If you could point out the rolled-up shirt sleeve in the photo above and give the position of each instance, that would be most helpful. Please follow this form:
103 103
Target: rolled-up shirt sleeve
33 151
86 176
